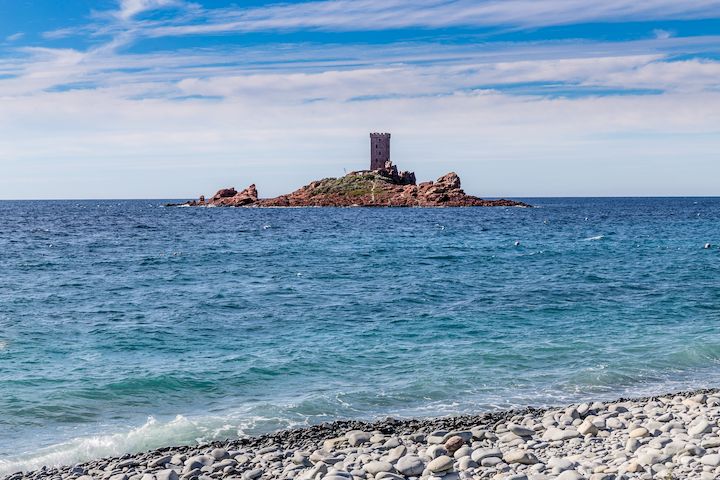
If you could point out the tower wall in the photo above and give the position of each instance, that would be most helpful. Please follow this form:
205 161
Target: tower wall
379 150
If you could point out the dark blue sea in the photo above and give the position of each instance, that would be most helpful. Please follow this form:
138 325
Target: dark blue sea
126 326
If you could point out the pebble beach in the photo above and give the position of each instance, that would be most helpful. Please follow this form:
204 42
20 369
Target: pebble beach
674 436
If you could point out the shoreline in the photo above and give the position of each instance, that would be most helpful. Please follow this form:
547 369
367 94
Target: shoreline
667 434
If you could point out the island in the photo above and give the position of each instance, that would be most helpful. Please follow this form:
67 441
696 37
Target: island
383 185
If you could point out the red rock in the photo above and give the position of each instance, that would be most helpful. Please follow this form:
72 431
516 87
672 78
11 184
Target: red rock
379 188
453 444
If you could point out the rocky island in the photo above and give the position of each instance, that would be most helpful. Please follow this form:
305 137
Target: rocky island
383 185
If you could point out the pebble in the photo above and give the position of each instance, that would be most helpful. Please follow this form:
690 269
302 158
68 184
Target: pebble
440 464
521 431
712 460
410 466
376 467
639 432
671 436
520 456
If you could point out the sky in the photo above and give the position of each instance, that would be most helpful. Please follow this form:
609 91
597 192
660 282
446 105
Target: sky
522 98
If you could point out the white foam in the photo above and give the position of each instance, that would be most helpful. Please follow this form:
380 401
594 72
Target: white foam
153 434
594 239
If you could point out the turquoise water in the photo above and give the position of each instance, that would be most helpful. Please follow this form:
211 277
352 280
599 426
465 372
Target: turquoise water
126 326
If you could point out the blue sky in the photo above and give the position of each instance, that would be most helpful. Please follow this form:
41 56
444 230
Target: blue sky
176 98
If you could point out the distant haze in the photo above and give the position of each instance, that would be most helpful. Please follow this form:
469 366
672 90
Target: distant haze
177 98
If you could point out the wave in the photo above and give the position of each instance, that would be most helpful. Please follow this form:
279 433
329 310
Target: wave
594 239
153 434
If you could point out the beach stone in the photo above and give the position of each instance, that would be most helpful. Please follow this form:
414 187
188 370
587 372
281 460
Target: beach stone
482 453
652 457
388 476
694 450
198 461
712 460
129 463
466 463
377 466
410 466
632 444
300 458
436 451
587 428
168 474
332 443
357 438
441 464
490 461
570 475
453 444
252 474
521 431
391 443
219 453
559 465
555 434
520 456
396 453
639 432
710 442
614 423
702 426
160 461
466 435
437 437
318 470
463 451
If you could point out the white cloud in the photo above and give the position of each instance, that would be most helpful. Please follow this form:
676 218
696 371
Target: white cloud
131 8
662 34
353 15
14 37
102 143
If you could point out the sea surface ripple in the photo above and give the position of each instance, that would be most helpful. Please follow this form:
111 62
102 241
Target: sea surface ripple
126 326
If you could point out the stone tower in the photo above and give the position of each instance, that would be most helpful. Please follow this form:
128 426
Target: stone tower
379 150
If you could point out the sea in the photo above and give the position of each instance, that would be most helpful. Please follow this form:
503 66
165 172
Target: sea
127 325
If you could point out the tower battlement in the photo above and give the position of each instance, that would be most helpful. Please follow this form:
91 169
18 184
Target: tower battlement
379 150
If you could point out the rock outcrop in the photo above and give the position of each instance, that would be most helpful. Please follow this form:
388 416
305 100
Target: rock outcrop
229 197
385 187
